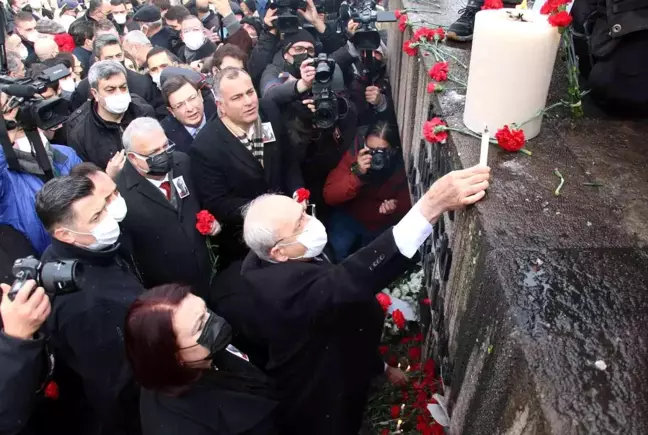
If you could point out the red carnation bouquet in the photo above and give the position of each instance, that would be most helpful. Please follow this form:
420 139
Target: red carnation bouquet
208 226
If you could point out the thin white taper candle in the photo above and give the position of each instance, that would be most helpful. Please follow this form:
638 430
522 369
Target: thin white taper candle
483 152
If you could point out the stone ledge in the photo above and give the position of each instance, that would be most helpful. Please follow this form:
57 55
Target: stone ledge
587 299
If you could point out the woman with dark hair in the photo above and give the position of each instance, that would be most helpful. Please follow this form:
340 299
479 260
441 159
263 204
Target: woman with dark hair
368 188
194 382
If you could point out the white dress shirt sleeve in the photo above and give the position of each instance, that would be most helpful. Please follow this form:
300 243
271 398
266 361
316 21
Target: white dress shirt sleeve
411 232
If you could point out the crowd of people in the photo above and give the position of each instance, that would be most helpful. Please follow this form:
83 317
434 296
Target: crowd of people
288 138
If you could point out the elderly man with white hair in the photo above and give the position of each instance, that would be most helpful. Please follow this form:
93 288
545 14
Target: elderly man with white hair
137 45
162 207
322 322
46 48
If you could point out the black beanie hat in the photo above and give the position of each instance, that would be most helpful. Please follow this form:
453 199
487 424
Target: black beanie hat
254 22
300 36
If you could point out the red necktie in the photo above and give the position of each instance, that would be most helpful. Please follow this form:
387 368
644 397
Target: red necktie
166 186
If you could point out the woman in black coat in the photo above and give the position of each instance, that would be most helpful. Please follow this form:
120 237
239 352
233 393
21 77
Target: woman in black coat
194 382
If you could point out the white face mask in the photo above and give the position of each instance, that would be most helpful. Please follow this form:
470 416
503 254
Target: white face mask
119 18
22 52
23 144
194 40
156 78
106 234
313 237
35 5
117 104
117 209
68 84
32 36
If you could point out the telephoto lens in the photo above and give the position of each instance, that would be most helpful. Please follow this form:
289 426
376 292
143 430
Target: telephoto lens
56 277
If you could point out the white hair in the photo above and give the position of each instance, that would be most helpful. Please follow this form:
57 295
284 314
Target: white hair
102 70
258 232
139 127
136 37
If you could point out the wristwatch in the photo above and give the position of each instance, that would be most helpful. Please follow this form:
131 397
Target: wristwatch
355 169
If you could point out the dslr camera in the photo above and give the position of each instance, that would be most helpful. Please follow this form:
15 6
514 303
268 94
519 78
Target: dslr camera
287 18
56 277
328 105
380 157
366 38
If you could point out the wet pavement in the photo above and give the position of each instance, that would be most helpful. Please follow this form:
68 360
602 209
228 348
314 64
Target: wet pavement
555 286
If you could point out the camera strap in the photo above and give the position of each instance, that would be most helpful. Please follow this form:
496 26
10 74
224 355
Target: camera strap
7 148
41 155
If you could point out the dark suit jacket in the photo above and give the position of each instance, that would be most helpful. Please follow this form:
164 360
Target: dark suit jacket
228 176
139 84
178 134
167 247
316 318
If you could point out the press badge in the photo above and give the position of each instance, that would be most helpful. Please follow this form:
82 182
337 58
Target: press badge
181 187
267 133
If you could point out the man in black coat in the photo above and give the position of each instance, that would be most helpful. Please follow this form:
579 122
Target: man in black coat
108 47
322 322
197 45
239 156
94 130
85 327
189 112
162 206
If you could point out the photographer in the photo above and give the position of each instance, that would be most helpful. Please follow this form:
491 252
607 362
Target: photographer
368 188
19 188
21 354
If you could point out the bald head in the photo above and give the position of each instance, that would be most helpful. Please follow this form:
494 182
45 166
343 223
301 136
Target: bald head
271 226
46 48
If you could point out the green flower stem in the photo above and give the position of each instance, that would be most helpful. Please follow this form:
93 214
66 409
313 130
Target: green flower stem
595 184
457 81
447 53
562 181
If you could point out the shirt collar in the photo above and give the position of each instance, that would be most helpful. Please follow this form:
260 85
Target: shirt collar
158 183
193 130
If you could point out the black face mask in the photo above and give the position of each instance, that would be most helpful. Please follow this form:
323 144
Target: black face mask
160 164
294 68
216 334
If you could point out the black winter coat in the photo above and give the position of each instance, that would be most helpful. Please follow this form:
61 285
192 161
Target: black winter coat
138 84
227 176
167 247
323 326
96 140
178 134
86 332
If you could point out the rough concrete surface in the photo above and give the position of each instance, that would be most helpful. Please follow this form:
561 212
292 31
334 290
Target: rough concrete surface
538 287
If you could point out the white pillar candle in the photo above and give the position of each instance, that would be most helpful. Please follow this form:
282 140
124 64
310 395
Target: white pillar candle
511 65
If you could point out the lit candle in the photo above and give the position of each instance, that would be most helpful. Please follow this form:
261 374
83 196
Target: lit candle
398 425
511 64
483 152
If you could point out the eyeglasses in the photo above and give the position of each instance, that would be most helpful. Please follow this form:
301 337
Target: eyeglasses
302 50
182 105
168 148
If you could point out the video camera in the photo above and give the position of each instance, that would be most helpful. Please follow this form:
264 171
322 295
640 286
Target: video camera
366 38
56 277
33 111
287 18
328 105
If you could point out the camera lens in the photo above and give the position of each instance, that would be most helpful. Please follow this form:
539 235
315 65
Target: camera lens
378 161
322 72
63 276
324 117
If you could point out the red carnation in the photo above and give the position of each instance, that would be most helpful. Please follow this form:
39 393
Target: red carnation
439 34
65 42
403 23
302 194
424 33
383 349
395 411
561 19
398 13
428 368
492 4
408 49
435 130
415 353
399 319
52 390
552 6
510 139
439 71
385 431
427 301
435 87
384 300
418 337
204 222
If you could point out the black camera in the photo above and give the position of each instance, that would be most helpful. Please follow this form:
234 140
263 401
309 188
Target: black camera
324 68
56 277
366 37
329 107
380 157
287 19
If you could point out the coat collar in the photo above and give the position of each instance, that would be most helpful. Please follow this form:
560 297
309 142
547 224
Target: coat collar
104 257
